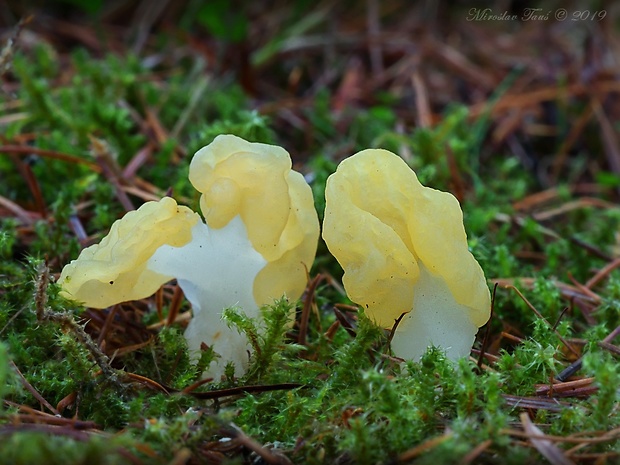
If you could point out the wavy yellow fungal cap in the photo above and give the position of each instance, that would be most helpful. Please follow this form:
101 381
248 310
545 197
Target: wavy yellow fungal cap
255 181
260 236
391 234
115 270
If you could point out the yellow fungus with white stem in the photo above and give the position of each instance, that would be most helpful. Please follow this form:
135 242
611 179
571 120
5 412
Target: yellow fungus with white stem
403 248
256 244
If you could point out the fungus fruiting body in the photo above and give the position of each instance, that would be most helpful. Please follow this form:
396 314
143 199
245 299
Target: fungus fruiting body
404 250
258 239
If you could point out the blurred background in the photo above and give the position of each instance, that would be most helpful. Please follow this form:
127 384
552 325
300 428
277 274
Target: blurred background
542 75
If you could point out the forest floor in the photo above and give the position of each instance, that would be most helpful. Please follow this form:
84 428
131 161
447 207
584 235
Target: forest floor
514 112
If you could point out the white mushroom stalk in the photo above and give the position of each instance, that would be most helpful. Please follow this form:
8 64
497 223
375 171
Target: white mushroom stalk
404 250
258 240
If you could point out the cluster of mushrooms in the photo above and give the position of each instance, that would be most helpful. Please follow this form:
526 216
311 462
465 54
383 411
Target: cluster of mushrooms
402 246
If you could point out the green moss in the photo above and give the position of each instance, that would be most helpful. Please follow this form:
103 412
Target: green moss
4 372
27 448
604 404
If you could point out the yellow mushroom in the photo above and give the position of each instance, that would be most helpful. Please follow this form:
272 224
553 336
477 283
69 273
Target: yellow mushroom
404 250
259 236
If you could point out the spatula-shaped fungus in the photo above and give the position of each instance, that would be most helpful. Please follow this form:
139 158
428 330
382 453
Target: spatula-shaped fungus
404 250
259 237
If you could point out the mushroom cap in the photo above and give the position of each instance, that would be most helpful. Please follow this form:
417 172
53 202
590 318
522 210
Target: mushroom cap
115 270
382 226
255 181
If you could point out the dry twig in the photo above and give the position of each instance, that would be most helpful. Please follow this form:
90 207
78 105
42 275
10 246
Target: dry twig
45 314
